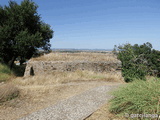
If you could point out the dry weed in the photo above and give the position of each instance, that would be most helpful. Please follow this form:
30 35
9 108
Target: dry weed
65 77
104 114
8 91
83 56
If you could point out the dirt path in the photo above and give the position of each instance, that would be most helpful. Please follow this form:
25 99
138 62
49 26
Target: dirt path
78 94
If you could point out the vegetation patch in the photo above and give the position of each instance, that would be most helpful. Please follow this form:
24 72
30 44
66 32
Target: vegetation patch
8 92
139 97
5 73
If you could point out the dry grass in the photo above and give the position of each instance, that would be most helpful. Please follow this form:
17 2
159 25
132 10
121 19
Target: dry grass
104 114
7 92
65 77
83 56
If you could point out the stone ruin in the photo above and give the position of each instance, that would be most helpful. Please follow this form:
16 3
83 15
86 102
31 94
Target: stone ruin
45 67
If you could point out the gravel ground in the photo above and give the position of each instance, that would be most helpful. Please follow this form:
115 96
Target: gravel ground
75 108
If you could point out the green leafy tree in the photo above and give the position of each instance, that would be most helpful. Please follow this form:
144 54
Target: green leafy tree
22 31
131 66
155 63
138 61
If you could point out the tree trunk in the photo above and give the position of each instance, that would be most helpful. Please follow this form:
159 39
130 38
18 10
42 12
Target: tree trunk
11 62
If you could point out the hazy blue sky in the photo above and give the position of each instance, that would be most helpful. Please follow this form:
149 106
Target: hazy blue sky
101 23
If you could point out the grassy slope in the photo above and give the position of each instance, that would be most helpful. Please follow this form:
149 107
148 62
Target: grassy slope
5 73
139 97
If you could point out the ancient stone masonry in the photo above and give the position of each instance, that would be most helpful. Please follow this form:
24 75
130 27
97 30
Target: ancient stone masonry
43 67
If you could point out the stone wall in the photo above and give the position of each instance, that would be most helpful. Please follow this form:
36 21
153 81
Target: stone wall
43 67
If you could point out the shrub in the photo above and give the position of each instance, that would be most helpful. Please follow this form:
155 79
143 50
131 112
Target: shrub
139 97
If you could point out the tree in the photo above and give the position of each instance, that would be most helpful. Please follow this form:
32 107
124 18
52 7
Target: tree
132 68
138 61
22 31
